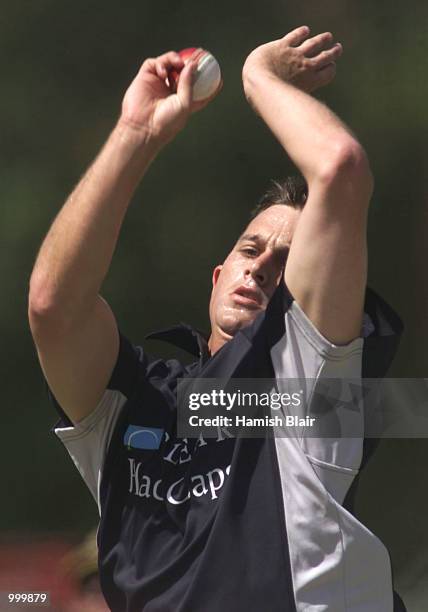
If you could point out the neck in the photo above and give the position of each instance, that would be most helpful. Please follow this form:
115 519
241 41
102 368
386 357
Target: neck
217 339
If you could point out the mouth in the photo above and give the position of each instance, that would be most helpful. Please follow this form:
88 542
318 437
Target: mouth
247 297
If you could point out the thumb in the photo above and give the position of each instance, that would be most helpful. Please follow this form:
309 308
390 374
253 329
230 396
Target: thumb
185 84
325 75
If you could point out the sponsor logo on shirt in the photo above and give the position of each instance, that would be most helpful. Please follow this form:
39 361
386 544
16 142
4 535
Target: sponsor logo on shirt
176 452
145 438
180 491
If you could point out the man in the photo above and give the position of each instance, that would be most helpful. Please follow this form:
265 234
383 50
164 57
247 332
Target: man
227 523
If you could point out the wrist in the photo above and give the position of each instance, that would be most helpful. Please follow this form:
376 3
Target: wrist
126 156
259 80
136 139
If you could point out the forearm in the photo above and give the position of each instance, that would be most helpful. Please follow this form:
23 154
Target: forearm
76 253
312 135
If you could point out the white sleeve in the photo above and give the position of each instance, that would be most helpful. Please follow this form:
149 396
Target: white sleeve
87 442
304 354
336 562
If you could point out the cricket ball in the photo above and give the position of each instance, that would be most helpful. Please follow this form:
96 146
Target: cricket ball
206 78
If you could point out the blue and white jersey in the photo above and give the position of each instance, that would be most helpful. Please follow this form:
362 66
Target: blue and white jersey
234 524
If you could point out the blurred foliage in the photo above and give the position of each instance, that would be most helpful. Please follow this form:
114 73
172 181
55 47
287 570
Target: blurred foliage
64 70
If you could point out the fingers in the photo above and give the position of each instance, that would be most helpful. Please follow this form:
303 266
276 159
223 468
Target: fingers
326 57
185 83
319 48
325 75
161 65
316 44
297 36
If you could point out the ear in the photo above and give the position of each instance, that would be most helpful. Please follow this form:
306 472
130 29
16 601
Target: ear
216 274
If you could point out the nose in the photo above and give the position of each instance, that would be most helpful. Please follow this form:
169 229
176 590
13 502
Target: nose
262 270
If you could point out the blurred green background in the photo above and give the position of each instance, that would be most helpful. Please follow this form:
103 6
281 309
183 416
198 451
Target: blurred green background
65 67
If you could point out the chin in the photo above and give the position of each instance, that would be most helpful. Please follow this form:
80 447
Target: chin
231 323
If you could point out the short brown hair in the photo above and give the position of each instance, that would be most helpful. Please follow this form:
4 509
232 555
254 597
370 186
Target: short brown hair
291 191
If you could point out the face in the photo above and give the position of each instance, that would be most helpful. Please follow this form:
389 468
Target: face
244 284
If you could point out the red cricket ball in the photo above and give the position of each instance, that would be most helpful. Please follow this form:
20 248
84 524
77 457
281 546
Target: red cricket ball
173 75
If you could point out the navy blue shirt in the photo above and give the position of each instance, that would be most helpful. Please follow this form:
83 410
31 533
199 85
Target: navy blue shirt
225 523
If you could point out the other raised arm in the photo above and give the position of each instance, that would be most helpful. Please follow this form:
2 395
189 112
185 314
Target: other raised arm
326 266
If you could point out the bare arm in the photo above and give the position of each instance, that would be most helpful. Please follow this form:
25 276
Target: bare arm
326 266
73 327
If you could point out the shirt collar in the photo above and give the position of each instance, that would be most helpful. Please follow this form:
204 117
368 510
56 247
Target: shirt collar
185 337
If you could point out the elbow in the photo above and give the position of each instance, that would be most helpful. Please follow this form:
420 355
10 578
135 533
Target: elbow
44 314
54 313
348 168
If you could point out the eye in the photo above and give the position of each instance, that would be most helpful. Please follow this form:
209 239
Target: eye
249 251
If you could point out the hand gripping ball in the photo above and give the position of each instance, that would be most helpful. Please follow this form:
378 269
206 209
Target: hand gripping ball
206 78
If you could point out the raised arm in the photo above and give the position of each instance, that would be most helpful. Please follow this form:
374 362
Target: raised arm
326 266
73 327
